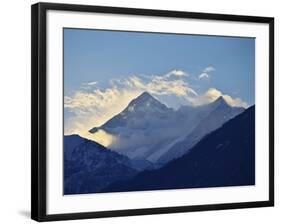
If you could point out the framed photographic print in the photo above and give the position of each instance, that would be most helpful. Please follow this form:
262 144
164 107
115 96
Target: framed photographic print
139 111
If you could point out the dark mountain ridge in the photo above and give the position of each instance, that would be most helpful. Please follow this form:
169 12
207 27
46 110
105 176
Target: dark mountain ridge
89 166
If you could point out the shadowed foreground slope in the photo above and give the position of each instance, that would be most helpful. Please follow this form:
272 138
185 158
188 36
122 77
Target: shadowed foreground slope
89 167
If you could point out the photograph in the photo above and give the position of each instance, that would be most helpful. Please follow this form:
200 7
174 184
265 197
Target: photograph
147 111
139 111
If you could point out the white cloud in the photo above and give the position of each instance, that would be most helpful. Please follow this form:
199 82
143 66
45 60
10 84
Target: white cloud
209 69
205 74
178 73
97 106
91 83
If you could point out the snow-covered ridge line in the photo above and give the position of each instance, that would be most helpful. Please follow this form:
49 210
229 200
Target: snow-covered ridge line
148 129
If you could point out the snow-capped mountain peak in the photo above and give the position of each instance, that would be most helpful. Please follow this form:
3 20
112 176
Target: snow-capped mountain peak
148 129
144 96
137 114
145 102
220 101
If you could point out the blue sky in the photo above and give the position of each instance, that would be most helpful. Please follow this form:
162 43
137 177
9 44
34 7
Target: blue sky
93 59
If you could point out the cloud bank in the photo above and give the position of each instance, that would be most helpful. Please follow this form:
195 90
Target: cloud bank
91 107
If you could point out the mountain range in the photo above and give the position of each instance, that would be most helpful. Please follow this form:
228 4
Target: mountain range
225 157
161 148
148 130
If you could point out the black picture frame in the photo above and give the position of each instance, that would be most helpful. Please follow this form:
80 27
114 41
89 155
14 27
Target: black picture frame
39 116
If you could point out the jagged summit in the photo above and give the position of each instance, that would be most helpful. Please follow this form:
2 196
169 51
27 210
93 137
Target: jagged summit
220 101
144 95
145 101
